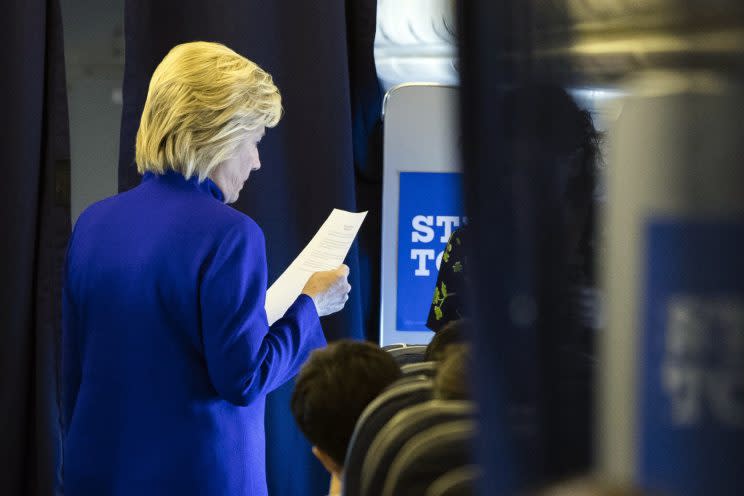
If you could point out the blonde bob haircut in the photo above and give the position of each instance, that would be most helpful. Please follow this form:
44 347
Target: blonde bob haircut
202 101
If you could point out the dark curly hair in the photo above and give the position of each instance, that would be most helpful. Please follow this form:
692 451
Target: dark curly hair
543 125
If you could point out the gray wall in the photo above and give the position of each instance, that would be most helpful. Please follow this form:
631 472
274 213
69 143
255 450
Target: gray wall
94 56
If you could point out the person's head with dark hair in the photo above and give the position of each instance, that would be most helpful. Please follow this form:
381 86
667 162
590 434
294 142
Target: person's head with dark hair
549 157
452 379
333 388
453 332
554 143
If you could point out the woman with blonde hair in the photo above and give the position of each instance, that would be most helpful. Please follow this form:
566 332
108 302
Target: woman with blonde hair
167 352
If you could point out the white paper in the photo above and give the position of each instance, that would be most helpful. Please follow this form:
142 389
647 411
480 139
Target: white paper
326 251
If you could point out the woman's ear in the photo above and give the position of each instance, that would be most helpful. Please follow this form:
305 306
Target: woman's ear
327 461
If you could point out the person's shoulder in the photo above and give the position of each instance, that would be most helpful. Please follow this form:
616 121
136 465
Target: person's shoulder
236 232
228 218
247 228
233 226
97 210
462 233
204 213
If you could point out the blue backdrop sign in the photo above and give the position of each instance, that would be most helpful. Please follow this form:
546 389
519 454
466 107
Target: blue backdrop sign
430 209
692 380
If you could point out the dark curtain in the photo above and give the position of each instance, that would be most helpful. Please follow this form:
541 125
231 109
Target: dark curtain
35 226
320 56
366 107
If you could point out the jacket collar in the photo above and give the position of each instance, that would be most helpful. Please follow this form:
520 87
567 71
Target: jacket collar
176 178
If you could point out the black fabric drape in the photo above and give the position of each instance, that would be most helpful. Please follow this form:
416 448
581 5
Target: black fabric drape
307 161
35 226
366 109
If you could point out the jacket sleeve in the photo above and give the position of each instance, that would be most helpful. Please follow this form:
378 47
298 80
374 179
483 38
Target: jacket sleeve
70 350
245 357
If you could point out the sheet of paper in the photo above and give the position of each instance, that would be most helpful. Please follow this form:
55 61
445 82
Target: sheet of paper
326 251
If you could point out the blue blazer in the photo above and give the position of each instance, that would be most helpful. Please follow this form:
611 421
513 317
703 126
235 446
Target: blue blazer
167 355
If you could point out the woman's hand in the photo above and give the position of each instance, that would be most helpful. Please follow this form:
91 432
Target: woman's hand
329 290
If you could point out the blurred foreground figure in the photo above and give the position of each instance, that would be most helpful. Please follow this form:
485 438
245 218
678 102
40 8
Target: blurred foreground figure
551 159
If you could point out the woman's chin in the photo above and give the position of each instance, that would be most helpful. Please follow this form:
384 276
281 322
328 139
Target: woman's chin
233 197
